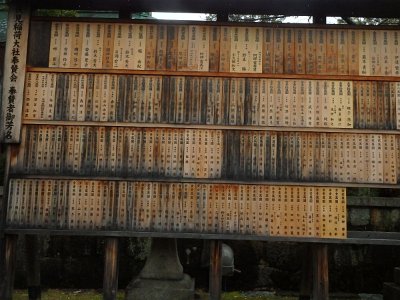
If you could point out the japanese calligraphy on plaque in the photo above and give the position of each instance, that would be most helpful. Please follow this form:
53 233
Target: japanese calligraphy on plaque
14 72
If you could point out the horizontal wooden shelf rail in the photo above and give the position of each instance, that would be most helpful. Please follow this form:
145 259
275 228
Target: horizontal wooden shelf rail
207 181
354 237
353 201
208 127
214 74
212 23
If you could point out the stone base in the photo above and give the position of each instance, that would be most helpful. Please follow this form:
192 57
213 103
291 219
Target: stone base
391 291
156 289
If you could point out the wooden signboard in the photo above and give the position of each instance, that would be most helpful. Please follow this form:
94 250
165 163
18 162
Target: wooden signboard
202 129
14 71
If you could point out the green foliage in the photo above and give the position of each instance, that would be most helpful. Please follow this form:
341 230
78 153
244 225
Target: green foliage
142 16
56 13
369 21
250 18
362 192
241 296
139 247
96 295
67 295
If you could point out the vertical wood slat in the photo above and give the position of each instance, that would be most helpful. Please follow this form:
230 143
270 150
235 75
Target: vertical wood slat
32 256
215 270
7 265
320 272
14 71
110 282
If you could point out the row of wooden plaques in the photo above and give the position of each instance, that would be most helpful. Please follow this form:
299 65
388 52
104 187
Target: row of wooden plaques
212 48
205 153
177 207
213 101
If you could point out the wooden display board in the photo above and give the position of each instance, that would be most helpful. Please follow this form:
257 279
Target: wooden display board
202 128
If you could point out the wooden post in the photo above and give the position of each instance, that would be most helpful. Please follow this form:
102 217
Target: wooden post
319 19
7 266
32 249
320 272
110 282
222 17
306 274
125 14
215 270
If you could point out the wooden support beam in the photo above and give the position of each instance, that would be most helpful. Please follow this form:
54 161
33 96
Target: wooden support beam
125 14
222 17
7 265
320 272
306 274
32 258
215 282
319 19
110 282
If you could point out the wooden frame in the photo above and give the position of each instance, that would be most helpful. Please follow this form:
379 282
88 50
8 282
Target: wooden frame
388 8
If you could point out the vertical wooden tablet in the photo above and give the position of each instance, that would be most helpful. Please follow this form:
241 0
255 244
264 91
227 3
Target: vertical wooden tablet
193 51
332 54
278 60
66 41
300 39
268 51
286 107
214 48
81 106
225 49
343 52
386 53
203 44
257 37
310 112
236 49
55 44
278 93
151 46
375 52
311 55
139 54
398 105
354 56
14 73
87 44
321 51
389 99
318 103
289 50
108 46
96 55
182 47
76 32
364 47
119 46
389 159
395 52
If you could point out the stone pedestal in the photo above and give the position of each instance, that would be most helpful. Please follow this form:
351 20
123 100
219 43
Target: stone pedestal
162 277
